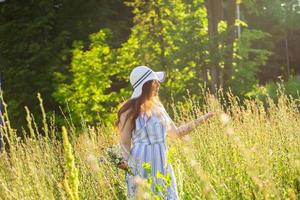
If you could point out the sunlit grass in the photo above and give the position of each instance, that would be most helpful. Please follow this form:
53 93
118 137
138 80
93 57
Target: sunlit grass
248 151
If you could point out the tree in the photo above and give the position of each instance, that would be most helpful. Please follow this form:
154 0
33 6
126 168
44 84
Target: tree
90 94
170 35
29 47
280 18
36 39
166 35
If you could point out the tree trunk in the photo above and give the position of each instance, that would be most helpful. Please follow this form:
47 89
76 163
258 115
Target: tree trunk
230 16
215 14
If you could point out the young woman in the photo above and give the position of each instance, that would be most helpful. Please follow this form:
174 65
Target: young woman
143 124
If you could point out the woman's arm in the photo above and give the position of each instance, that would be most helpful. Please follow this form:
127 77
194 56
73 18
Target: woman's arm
189 126
125 127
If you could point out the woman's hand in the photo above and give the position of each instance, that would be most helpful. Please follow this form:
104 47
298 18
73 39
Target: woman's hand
209 115
123 165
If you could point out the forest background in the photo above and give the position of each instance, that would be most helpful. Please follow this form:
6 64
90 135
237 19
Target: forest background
78 54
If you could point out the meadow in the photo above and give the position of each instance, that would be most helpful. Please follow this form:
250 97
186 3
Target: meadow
249 150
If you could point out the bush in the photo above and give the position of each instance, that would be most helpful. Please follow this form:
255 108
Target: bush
291 87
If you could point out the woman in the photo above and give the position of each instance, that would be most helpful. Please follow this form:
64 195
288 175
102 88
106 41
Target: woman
144 123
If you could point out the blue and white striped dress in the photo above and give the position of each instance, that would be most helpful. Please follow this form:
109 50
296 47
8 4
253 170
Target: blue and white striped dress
149 145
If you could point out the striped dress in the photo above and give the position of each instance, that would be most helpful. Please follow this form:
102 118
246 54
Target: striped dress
149 146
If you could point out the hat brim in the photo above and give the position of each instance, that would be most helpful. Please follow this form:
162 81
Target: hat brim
160 76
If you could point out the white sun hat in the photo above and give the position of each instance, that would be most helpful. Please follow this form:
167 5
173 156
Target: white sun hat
140 75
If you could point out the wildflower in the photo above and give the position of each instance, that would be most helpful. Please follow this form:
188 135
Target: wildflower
224 118
115 156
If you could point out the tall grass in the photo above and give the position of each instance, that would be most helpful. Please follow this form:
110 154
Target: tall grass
250 150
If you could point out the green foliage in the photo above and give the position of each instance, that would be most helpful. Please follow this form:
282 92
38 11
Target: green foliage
280 18
247 61
284 12
90 93
165 35
291 87
159 186
162 37
27 46
147 167
169 36
36 40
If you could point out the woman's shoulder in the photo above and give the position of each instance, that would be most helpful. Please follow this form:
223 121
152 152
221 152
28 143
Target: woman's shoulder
126 113
124 116
158 104
158 109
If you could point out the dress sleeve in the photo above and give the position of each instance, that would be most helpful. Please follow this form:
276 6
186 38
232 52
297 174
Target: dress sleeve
169 122
124 128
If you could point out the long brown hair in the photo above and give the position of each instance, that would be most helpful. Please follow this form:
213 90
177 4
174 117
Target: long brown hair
143 103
